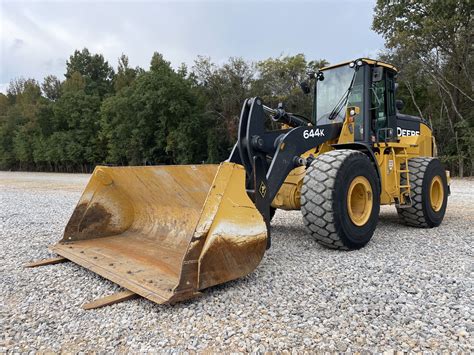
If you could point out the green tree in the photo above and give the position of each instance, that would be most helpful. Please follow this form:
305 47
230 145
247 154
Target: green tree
51 87
431 43
155 120
76 114
95 70
19 124
8 123
224 88
125 75
279 80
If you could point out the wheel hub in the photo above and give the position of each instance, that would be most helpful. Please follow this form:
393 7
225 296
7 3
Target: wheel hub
436 193
359 201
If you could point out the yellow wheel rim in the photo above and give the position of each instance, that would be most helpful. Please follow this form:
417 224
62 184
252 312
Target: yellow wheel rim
436 193
359 201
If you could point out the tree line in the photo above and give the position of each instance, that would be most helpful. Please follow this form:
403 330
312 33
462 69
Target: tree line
136 116
161 115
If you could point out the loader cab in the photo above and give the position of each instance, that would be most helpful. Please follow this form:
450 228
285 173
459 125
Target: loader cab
366 84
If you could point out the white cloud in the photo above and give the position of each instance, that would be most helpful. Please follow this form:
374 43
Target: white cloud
37 37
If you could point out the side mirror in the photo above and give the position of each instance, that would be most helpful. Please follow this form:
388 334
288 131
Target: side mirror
399 105
305 87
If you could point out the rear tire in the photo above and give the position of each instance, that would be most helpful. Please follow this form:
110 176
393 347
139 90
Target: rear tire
429 193
340 199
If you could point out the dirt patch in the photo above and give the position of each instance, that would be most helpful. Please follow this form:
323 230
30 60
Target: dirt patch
43 181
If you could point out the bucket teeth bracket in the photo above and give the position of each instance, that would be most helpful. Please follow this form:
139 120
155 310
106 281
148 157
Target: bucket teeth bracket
109 300
44 262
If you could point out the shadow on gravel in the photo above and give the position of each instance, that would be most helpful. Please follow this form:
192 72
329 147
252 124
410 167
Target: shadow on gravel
389 220
288 230
386 219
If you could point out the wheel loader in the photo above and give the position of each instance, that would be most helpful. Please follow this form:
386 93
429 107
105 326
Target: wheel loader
168 232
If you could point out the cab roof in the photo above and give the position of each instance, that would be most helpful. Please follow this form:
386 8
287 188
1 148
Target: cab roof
365 60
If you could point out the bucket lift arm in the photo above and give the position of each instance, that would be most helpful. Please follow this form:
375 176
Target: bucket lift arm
269 156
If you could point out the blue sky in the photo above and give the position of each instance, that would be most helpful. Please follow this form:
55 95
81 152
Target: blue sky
37 37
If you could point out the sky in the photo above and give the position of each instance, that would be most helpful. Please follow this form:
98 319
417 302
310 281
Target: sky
37 37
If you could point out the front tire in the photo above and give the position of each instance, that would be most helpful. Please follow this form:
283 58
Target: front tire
429 193
340 199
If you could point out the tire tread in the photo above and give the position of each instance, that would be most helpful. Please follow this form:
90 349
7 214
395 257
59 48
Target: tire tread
414 216
317 197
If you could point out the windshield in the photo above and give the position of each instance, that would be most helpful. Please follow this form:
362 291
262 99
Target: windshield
330 92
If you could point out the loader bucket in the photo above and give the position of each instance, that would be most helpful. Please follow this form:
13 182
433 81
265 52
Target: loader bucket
166 232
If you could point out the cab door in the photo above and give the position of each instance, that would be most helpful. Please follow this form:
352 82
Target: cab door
382 114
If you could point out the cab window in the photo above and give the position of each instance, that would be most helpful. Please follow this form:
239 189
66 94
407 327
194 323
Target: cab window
378 106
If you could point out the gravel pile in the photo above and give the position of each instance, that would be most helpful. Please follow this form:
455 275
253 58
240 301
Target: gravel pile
409 289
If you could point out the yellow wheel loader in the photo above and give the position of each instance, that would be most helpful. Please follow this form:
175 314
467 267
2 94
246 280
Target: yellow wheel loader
168 232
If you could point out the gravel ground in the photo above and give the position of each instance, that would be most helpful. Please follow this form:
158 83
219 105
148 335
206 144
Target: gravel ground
409 289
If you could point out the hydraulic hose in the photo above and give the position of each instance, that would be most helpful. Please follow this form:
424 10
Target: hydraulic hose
280 115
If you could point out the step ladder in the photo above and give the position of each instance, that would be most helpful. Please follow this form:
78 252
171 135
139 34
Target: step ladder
405 189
